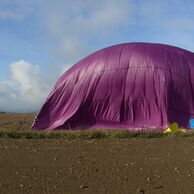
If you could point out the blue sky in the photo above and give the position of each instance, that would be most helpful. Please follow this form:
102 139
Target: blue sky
40 39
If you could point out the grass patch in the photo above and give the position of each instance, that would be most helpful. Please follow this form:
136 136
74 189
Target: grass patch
87 135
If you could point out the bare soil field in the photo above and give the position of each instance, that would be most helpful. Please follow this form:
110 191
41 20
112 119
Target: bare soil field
162 165
112 166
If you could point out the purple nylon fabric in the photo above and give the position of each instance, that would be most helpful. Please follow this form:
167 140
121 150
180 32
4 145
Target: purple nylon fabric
127 86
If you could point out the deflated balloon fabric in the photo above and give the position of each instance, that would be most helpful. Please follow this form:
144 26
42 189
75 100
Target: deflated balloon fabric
131 86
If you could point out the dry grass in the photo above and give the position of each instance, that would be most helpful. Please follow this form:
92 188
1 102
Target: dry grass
16 122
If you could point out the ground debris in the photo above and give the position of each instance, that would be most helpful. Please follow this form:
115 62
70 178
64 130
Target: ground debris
141 190
83 186
159 187
176 169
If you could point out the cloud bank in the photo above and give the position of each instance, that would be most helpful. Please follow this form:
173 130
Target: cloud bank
26 89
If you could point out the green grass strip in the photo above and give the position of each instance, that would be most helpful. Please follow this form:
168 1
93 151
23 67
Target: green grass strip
87 135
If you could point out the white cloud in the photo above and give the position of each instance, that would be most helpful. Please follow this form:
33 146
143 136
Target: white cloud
27 88
31 86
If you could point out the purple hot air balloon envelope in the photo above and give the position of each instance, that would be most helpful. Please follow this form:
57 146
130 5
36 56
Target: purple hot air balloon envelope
129 86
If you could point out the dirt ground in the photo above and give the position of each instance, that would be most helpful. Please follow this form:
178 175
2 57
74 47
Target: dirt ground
164 165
